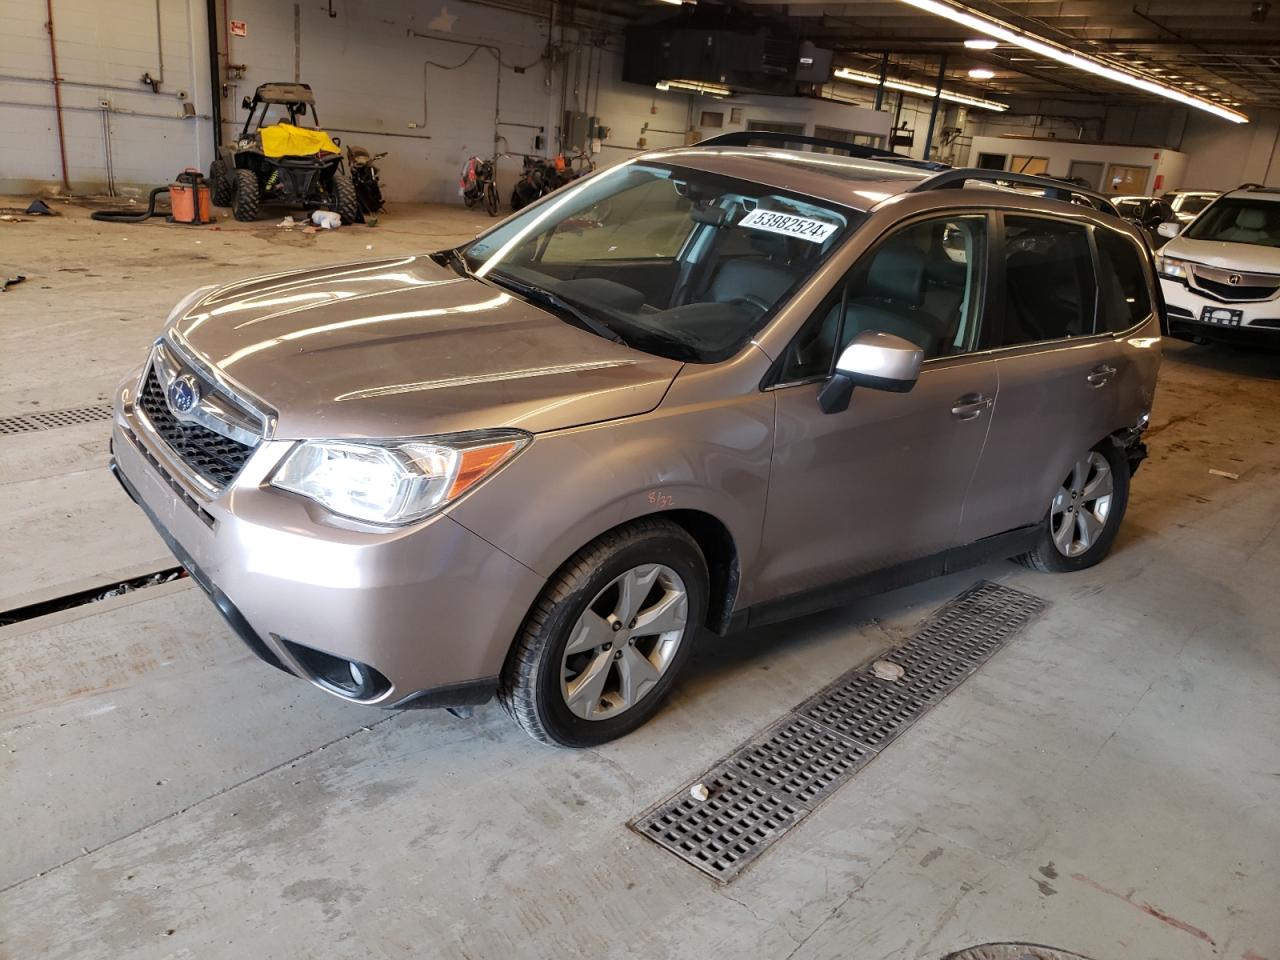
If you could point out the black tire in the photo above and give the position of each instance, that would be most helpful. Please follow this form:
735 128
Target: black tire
1045 555
221 189
244 203
530 685
346 201
491 198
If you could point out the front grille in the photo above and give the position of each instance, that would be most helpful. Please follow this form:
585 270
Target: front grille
213 457
1248 286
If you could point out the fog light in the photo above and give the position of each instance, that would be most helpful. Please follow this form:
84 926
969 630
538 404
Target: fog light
347 678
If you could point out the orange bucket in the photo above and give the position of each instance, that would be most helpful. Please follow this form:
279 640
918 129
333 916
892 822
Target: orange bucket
189 198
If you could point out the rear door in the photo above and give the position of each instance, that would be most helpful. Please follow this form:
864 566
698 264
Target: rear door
883 482
1059 369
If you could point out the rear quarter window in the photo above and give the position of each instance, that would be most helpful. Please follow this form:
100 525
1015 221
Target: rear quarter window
1124 299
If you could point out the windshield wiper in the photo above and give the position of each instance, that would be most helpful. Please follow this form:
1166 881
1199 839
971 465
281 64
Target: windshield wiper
455 259
545 298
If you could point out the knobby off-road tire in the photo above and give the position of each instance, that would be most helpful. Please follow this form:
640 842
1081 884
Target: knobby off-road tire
221 188
346 201
244 206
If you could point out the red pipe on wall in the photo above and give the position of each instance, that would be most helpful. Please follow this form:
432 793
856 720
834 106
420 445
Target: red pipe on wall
57 98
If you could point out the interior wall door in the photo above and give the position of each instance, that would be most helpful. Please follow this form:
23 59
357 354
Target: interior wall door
1087 170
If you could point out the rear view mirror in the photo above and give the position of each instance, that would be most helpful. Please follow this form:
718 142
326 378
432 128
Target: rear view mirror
879 361
302 110
246 104
1169 229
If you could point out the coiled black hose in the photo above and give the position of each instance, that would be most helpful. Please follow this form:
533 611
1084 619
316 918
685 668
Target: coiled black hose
124 216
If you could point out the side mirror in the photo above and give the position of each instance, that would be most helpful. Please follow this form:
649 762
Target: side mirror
246 104
879 361
1169 229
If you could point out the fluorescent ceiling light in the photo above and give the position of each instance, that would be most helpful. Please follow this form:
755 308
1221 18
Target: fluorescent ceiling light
920 90
981 44
695 86
981 73
1007 34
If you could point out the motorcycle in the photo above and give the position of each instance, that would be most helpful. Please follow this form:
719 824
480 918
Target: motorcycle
364 174
539 176
479 185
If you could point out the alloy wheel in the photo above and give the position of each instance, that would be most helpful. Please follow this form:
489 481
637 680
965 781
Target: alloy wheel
1080 508
624 642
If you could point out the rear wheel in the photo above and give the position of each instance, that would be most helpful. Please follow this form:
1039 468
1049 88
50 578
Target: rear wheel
602 646
244 202
344 192
221 189
1085 513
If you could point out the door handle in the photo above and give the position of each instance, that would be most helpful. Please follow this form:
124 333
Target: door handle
1100 375
970 406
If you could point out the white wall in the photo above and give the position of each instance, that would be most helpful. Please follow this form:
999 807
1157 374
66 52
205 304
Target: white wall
380 71
1224 155
1166 166
103 50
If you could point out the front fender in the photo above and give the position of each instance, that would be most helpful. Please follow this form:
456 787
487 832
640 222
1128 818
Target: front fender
569 487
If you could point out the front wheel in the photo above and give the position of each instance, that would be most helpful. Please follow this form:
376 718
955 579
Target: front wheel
245 197
346 204
221 189
602 646
1085 513
491 198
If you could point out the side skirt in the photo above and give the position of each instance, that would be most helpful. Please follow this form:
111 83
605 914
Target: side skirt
1000 547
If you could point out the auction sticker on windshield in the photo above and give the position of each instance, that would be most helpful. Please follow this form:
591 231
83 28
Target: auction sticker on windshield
814 231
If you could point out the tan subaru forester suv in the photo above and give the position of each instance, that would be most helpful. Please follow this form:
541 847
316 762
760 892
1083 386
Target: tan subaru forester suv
707 388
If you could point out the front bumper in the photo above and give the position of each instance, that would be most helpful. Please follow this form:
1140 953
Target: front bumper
1259 321
431 608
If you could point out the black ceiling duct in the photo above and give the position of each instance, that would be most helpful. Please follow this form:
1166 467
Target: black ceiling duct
744 53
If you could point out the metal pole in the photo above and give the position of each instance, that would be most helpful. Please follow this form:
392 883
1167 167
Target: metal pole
884 72
215 75
937 102
57 99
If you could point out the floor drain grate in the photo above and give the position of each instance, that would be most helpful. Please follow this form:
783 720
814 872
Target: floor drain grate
52 419
770 783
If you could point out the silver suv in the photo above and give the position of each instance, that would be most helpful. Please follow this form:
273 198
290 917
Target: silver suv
709 387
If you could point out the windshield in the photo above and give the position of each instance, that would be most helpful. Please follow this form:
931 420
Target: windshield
1195 204
677 262
1239 220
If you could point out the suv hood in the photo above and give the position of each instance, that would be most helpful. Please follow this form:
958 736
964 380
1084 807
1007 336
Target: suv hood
1241 257
405 347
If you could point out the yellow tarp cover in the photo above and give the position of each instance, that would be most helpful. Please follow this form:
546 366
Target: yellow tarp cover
286 140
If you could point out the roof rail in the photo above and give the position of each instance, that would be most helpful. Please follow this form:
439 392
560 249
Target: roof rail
1052 187
772 138
1259 187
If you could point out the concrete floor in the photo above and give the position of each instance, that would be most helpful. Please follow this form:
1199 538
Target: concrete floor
1109 783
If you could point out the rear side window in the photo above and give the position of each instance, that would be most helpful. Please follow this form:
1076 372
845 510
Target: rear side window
1050 291
1123 298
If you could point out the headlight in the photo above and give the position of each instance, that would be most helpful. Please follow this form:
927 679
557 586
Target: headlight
1172 267
395 482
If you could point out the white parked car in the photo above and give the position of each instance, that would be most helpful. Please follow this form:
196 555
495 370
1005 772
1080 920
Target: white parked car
1221 274
1189 204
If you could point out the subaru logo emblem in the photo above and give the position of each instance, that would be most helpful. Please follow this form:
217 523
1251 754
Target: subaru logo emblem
184 393
1234 279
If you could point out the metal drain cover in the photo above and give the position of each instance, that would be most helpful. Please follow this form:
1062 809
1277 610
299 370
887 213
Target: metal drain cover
771 782
52 419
